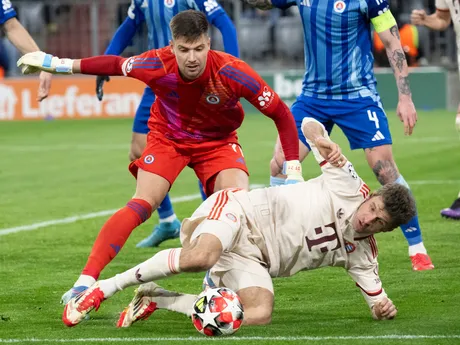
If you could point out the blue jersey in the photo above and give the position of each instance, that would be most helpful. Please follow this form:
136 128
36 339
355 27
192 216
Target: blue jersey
6 11
338 46
158 14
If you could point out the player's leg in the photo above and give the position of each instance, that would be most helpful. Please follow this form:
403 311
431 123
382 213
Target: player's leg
157 169
220 165
245 276
169 225
302 107
365 125
453 212
205 239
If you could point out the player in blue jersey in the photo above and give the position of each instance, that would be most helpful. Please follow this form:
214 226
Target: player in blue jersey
340 87
22 40
157 14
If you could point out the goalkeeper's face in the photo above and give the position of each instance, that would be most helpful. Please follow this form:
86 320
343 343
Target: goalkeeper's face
191 56
371 217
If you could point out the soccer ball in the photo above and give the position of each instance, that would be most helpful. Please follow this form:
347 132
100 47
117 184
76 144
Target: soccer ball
217 312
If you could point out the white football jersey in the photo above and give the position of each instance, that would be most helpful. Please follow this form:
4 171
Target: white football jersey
307 225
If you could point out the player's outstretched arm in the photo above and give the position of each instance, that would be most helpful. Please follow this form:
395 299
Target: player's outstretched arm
254 89
260 4
22 40
386 27
440 20
330 151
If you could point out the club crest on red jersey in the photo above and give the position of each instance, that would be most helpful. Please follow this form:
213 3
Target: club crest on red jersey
339 6
212 99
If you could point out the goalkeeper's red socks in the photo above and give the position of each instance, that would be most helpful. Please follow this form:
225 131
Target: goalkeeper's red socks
114 234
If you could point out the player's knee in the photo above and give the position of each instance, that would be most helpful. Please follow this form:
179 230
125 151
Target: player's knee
275 168
135 152
132 156
258 316
197 260
138 142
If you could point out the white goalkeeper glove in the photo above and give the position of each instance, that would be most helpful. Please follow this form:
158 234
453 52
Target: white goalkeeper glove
293 171
40 61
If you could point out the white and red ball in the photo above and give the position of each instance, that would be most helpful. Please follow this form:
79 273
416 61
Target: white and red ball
217 311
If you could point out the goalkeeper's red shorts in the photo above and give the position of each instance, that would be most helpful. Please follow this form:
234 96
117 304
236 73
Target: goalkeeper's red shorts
167 158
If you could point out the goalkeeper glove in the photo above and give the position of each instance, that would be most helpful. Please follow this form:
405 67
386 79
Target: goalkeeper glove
293 171
100 79
40 61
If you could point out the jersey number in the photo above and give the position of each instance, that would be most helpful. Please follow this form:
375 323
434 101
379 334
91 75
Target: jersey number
323 241
373 117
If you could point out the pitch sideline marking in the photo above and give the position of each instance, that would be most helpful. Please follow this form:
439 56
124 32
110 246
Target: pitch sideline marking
204 339
73 219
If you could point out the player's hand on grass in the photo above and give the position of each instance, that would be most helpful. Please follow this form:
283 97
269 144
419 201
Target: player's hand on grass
417 17
40 61
100 79
44 86
330 151
407 114
293 172
384 310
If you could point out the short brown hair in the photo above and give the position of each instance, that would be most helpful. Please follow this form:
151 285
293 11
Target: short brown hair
189 24
398 203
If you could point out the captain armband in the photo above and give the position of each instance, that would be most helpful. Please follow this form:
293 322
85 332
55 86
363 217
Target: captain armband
384 21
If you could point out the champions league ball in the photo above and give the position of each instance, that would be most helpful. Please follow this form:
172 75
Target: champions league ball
217 312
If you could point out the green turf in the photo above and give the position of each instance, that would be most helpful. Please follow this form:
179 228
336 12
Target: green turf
57 169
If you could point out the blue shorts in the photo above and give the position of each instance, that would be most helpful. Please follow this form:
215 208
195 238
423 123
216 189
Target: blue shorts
362 120
143 112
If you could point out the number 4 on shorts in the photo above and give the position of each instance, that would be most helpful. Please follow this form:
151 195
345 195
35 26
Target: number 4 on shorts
373 117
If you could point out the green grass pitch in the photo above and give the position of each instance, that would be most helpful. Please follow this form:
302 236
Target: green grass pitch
58 169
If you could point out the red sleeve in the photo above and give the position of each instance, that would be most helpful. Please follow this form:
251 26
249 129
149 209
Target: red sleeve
102 65
138 67
250 85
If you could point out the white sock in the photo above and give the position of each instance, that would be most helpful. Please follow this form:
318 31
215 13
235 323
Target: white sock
169 219
163 264
180 303
417 249
84 280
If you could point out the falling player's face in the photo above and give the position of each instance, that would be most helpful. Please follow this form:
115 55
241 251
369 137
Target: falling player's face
191 57
371 217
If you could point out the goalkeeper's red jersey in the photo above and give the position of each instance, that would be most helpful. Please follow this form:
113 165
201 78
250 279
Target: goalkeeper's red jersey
207 108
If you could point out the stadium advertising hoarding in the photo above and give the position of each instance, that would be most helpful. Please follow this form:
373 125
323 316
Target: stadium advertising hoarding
75 97
69 98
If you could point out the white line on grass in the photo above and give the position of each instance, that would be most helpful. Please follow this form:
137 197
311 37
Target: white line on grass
184 198
422 182
73 219
47 148
203 339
